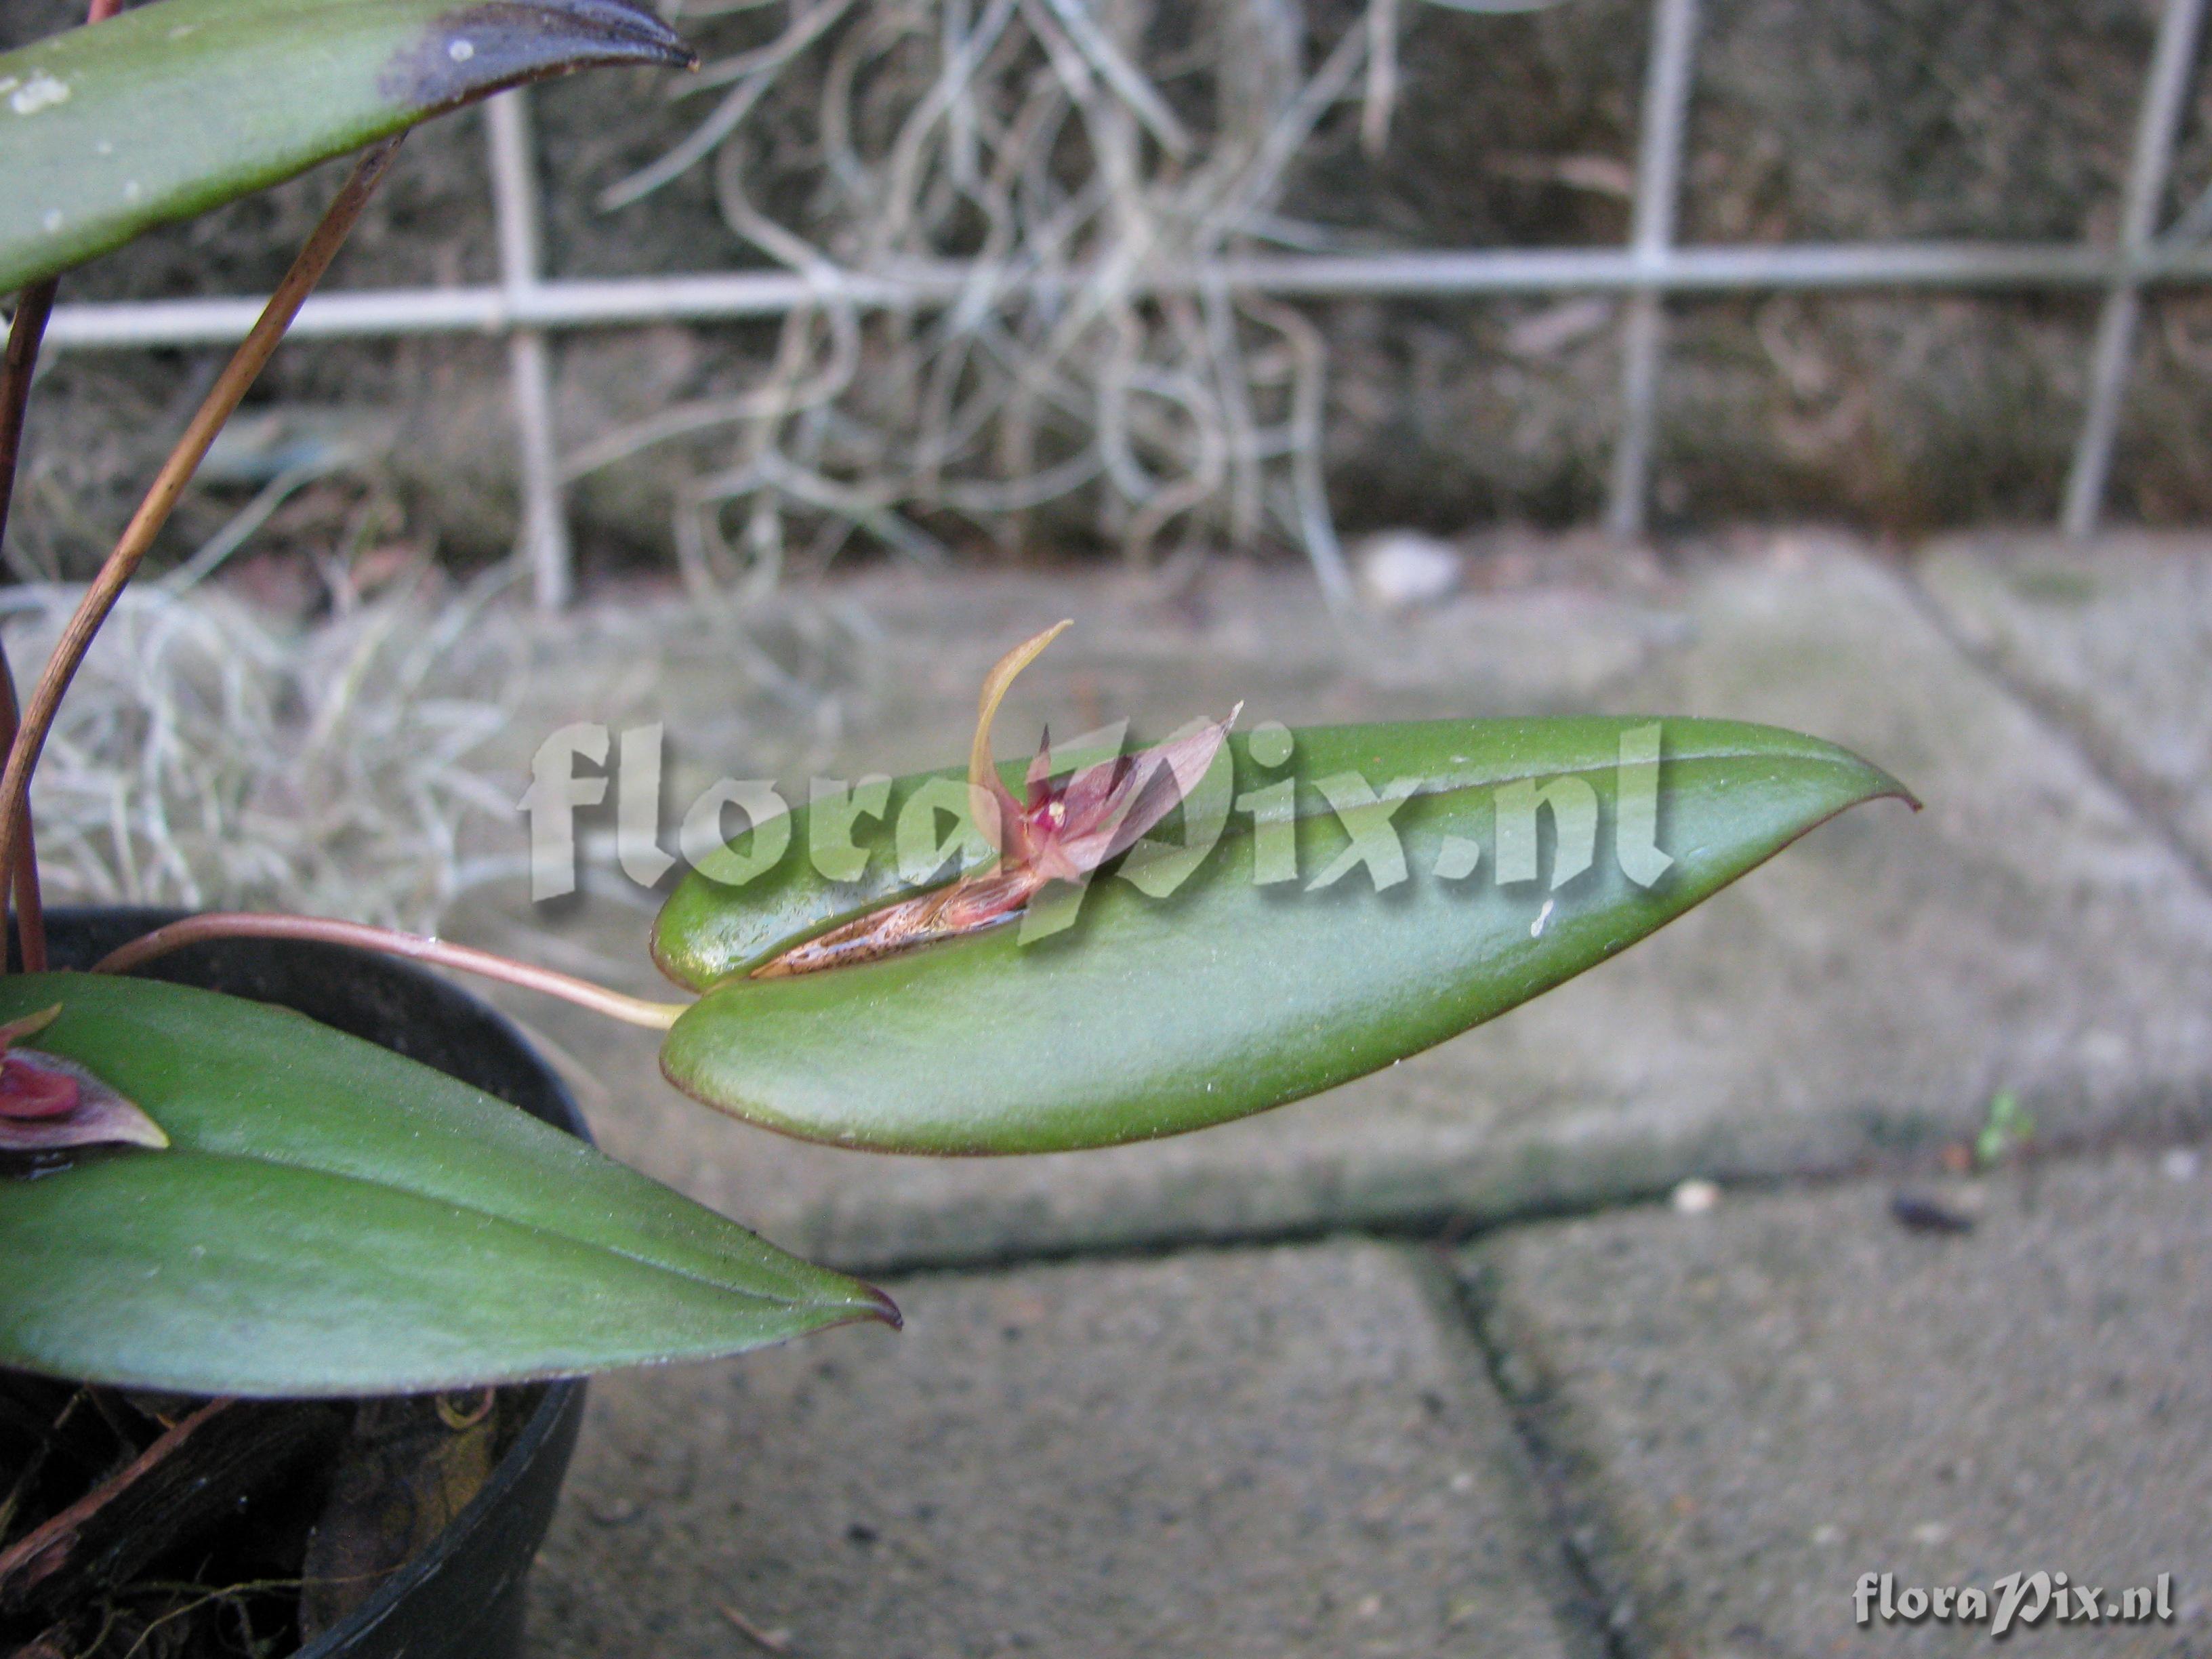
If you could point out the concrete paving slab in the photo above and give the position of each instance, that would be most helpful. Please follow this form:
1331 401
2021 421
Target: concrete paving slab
1750 1408
1250 1455
2114 640
1862 998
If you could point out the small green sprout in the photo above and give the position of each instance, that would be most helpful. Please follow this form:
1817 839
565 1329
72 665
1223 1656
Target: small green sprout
2006 1128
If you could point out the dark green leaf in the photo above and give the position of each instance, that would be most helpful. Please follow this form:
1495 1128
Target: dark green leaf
174 107
333 1218
1150 1017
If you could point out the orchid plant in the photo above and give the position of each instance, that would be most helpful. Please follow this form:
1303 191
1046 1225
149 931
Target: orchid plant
235 1200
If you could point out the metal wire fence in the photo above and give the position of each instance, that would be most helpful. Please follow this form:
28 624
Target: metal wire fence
526 306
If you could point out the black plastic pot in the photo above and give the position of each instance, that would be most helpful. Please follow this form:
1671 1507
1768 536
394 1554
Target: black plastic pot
462 1598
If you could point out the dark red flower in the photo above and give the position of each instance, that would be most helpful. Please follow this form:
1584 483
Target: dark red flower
1061 830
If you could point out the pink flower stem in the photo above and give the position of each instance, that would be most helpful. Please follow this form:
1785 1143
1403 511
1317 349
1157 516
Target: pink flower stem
322 930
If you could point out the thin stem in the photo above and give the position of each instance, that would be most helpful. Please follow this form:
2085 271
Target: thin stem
32 307
30 903
239 924
239 375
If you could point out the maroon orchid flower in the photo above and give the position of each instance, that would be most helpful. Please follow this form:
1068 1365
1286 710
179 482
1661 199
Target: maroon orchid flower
1062 830
48 1103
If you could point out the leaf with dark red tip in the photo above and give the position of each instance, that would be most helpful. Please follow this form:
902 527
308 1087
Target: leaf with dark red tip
173 108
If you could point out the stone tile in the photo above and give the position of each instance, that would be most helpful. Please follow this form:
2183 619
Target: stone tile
1751 1407
1862 997
2114 640
1247 1456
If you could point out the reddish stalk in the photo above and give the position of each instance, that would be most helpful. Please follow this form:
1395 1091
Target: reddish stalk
238 375
240 924
30 903
33 307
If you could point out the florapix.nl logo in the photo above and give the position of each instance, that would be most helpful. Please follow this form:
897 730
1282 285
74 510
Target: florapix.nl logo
2016 1601
1292 819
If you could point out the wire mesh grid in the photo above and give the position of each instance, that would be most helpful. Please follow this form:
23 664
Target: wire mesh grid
526 306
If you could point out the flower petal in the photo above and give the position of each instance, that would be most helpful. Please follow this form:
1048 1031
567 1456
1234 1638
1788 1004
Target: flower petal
1170 771
102 1117
1039 772
31 1090
1096 794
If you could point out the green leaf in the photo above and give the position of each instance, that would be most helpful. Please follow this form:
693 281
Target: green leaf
1150 1017
334 1219
178 106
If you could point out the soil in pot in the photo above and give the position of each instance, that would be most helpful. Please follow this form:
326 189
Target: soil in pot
159 1527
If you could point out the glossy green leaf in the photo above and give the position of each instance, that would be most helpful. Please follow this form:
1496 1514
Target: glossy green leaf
334 1219
1152 1015
179 105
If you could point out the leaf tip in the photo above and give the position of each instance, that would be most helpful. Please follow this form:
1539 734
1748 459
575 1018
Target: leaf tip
1857 779
880 1306
1883 785
856 1301
487 46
